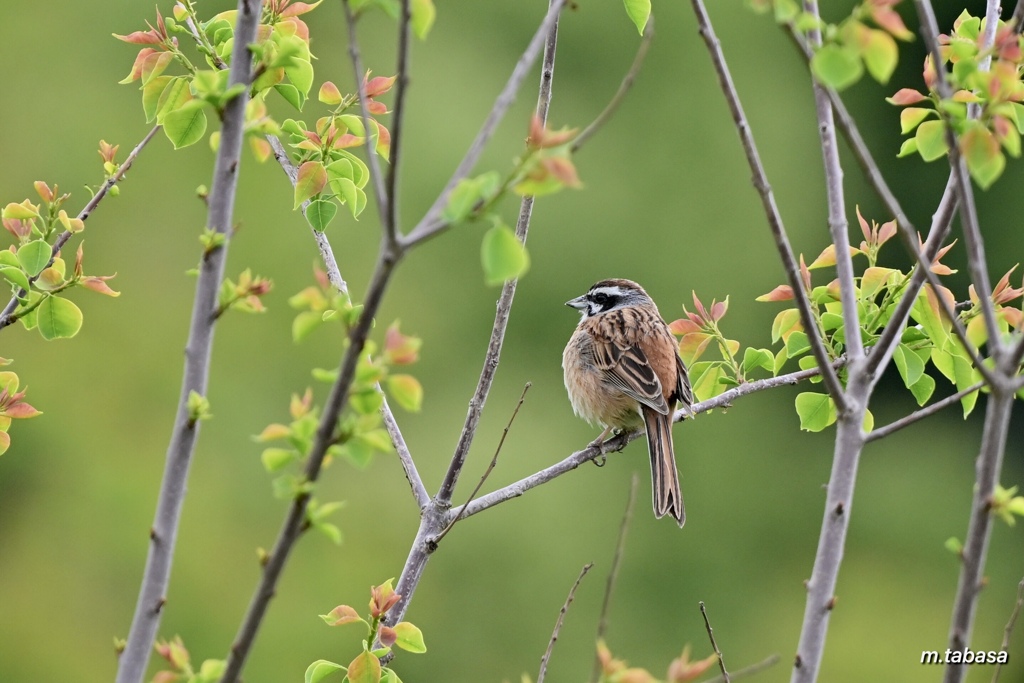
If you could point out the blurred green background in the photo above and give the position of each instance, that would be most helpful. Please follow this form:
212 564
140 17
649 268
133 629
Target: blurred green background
667 201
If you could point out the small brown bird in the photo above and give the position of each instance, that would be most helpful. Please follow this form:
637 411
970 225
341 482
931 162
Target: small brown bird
622 371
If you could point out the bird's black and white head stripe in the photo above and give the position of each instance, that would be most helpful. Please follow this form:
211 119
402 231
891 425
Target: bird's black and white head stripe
608 295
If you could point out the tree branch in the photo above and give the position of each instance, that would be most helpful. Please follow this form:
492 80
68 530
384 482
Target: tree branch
153 591
7 315
620 94
972 570
322 243
558 623
765 663
1008 631
419 491
976 261
760 181
837 224
398 113
711 636
376 177
431 224
927 411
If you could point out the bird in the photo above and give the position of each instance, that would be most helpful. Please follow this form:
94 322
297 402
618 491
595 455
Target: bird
623 371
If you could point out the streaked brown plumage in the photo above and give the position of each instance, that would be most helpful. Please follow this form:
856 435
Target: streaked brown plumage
622 371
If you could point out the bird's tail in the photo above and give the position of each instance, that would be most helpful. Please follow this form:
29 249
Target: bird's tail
668 498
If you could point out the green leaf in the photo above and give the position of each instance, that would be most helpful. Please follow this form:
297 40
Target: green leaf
58 318
407 392
329 530
758 358
33 256
365 668
797 344
880 55
422 14
836 67
911 117
639 12
304 323
15 275
785 323
503 256
320 213
300 73
185 125
907 148
276 459
151 93
410 638
965 375
311 180
291 95
909 364
931 140
984 158
923 389
320 669
816 411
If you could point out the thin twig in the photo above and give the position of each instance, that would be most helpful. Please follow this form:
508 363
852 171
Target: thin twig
836 199
398 113
620 94
163 534
419 491
6 316
376 177
976 261
711 636
617 443
322 243
760 180
431 224
613 573
765 663
558 623
1008 631
490 467
508 292
927 411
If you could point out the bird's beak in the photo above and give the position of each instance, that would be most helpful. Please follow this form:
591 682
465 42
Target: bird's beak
579 303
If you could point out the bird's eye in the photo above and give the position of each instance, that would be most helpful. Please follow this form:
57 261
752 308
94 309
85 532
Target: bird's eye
600 298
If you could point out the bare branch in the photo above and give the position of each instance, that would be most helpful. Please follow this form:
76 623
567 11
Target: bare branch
765 663
558 623
508 292
1008 631
620 94
917 415
976 260
613 573
760 180
617 443
398 113
711 636
972 570
163 534
7 315
837 224
431 224
490 467
322 243
419 491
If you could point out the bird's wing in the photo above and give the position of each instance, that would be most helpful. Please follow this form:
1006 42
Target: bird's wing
626 368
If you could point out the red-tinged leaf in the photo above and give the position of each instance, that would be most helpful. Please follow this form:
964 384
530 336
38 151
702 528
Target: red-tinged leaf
1013 316
341 615
887 18
911 117
297 8
693 345
886 232
155 64
929 72
329 94
311 180
44 191
97 284
261 149
383 140
5 442
683 326
272 432
383 598
23 211
563 169
1003 293
780 293
347 140
864 228
20 411
699 306
400 349
376 108
805 274
718 309
379 85
140 38
905 96
965 96
365 668
387 636
300 406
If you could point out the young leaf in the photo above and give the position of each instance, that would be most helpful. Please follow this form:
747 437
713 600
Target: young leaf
836 67
422 13
816 411
931 140
880 55
639 12
311 180
321 668
409 637
320 212
58 318
503 256
185 125
33 256
365 668
407 392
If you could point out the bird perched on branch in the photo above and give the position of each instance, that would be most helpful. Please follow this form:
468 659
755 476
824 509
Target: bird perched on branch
623 371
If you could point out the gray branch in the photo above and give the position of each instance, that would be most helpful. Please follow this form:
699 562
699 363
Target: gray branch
917 415
163 534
